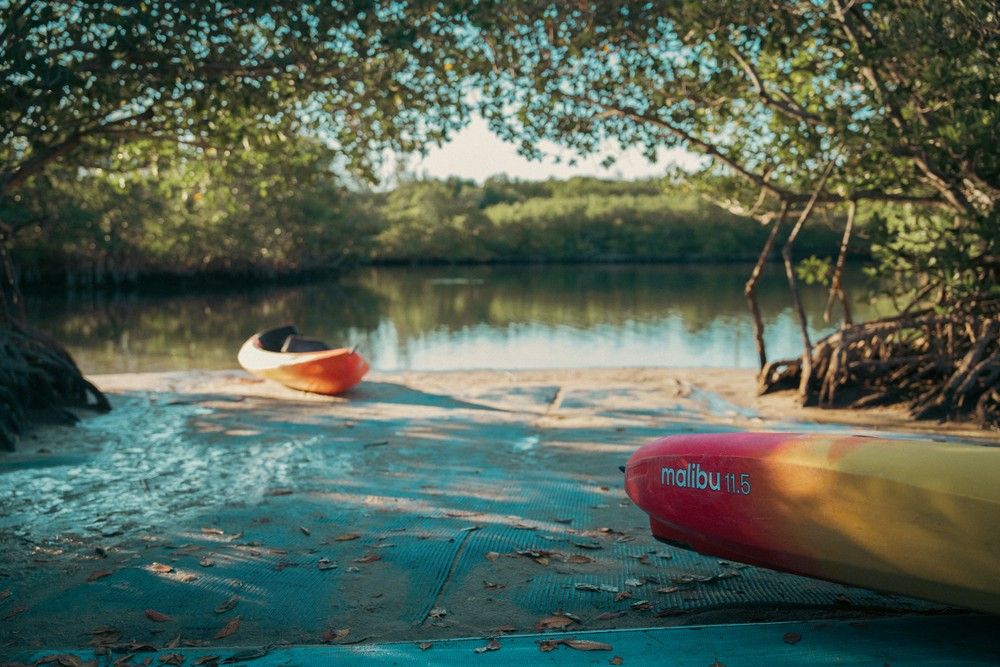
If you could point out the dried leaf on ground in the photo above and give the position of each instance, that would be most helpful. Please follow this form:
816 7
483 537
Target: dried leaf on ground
212 531
624 595
423 646
563 520
523 526
617 660
547 645
154 615
187 577
642 605
554 622
232 626
493 585
608 615
579 559
634 582
174 643
172 659
643 559
437 612
335 635
494 645
326 564
14 612
305 531
227 605
369 557
792 638
98 574
206 660
588 545
278 492
492 555
346 537
504 629
161 567
206 562
586 645
4 594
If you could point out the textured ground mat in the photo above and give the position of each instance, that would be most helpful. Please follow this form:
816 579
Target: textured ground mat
400 513
920 642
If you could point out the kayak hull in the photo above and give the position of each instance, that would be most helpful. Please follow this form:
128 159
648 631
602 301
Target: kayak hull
909 517
323 372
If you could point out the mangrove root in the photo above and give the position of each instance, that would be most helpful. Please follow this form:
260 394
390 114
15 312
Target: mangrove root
38 379
942 366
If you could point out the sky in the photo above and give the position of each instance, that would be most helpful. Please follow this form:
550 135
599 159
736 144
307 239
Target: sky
476 153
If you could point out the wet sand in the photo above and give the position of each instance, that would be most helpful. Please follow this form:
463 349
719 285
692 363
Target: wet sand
228 511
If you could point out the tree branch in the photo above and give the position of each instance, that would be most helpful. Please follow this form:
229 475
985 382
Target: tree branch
786 104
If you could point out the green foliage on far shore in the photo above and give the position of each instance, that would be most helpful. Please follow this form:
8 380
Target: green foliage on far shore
250 213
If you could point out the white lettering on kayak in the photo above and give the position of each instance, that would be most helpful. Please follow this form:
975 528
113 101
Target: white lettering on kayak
694 477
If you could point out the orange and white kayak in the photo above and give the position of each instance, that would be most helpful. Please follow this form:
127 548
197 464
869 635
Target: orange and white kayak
306 364
912 517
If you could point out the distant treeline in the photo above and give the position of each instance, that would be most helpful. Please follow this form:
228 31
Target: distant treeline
251 215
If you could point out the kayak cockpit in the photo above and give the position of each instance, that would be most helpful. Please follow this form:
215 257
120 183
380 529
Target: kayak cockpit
287 339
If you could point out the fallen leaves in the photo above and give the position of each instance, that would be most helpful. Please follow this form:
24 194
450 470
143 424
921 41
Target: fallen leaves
596 588
608 615
326 564
369 557
791 638
278 492
232 626
98 574
492 555
206 562
493 585
212 531
227 605
335 635
4 594
154 615
172 659
346 537
423 646
557 621
578 559
617 660
161 568
305 531
206 660
494 645
437 612
547 645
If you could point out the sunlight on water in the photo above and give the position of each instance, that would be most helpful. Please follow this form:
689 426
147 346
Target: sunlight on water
446 318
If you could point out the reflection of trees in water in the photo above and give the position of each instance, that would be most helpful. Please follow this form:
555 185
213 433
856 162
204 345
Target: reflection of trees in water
421 300
150 332
204 330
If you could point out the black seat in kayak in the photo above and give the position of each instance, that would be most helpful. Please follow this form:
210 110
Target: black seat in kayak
296 343
272 340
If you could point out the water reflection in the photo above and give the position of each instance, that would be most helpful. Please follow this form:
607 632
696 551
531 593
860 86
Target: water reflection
452 317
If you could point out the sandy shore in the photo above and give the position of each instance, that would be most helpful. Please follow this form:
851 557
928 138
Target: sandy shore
419 506
719 395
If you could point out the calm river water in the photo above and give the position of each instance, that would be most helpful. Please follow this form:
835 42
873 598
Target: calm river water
443 318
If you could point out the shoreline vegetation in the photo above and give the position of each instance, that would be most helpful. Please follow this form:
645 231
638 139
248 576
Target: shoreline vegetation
322 229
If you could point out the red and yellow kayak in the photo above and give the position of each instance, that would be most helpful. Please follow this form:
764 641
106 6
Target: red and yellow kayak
912 517
306 364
